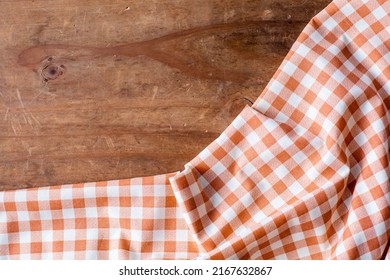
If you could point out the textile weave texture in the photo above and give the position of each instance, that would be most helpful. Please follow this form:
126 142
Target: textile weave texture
302 174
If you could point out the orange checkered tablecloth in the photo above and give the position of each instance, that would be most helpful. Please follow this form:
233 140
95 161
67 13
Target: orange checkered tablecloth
302 174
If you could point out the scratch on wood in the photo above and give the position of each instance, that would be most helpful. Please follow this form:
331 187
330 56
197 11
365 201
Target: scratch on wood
155 91
19 97
27 166
203 114
6 114
109 141
27 147
20 126
190 86
13 128
35 119
24 116
28 117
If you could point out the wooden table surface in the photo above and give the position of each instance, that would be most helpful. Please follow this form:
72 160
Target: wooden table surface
96 90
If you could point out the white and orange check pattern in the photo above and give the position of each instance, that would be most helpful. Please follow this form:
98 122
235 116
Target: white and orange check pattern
302 174
119 219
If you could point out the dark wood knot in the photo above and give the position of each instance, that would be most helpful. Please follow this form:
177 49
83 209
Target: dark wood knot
52 71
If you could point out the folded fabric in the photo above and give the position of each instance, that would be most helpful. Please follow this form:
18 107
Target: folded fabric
302 174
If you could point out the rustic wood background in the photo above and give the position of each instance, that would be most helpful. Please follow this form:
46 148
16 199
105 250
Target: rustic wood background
95 90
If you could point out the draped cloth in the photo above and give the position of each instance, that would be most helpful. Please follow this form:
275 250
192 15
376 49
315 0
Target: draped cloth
303 173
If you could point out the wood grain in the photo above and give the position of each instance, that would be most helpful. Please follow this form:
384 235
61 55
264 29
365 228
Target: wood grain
97 89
